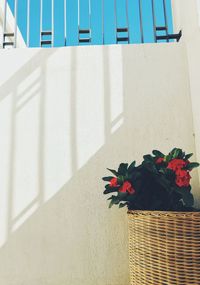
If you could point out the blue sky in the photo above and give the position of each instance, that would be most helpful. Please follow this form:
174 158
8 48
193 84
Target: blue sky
96 19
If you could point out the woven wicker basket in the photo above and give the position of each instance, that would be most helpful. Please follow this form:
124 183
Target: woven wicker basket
164 248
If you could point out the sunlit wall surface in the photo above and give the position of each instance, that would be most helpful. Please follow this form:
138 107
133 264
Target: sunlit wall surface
65 115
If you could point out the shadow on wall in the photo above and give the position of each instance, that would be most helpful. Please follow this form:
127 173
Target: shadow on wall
72 113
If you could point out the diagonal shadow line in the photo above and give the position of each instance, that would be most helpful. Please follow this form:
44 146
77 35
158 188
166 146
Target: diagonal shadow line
111 140
33 203
36 61
22 105
47 222
11 87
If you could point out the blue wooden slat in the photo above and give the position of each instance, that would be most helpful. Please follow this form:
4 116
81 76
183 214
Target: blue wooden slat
96 20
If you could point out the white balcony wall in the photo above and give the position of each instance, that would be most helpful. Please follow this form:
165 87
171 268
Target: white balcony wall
65 115
187 15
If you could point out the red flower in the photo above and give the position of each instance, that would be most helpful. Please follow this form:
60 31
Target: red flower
176 164
183 178
159 160
127 187
113 182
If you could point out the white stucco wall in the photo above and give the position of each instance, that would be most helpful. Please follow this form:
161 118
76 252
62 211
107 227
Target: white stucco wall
65 115
187 15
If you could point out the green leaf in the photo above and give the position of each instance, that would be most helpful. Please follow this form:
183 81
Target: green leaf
192 165
135 176
131 166
188 156
121 205
131 198
173 150
110 198
187 196
113 171
148 157
115 200
168 157
110 190
122 195
164 182
107 186
177 152
150 166
158 153
107 178
122 168
111 204
120 179
188 199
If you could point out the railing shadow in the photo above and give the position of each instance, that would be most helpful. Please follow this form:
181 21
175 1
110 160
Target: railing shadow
67 236
90 110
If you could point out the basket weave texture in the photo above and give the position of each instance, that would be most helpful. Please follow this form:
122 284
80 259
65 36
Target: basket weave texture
164 248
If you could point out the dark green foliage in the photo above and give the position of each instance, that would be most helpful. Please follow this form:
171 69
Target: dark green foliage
131 167
157 153
122 170
107 178
188 156
113 171
153 185
192 165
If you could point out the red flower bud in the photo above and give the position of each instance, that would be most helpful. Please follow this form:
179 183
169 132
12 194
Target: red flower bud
127 187
159 160
113 182
176 164
182 178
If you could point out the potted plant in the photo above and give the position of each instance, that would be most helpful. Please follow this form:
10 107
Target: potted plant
164 226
